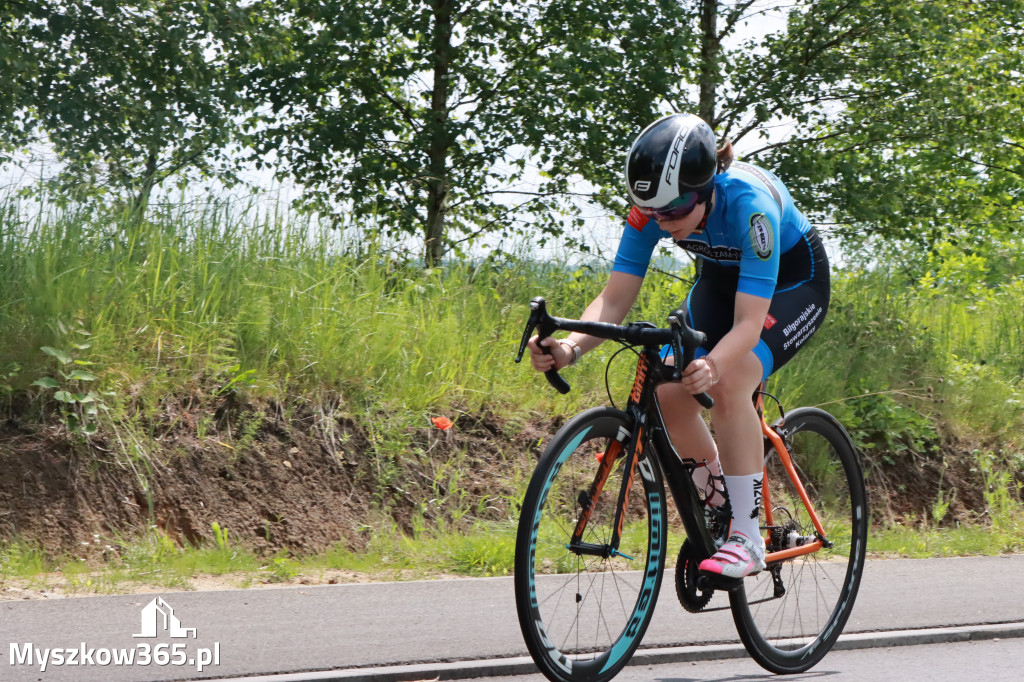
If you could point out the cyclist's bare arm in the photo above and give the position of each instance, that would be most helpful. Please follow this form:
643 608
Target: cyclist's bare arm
611 305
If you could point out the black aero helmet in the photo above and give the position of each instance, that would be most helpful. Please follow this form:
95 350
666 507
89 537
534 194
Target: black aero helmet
672 165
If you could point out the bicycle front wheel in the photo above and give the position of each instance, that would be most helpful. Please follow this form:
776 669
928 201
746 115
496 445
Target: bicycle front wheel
791 614
584 607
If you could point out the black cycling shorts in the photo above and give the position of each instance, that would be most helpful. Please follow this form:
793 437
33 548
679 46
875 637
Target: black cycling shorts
797 310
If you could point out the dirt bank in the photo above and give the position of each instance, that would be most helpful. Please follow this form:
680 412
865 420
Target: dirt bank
303 480
276 479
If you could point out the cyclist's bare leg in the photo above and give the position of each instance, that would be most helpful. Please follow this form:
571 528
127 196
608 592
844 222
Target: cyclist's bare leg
741 450
737 425
686 429
692 439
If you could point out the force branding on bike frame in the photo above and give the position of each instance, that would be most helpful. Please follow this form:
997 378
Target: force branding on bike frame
157 620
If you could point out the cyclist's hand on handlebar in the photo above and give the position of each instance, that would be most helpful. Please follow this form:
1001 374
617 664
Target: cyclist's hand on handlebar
698 377
560 355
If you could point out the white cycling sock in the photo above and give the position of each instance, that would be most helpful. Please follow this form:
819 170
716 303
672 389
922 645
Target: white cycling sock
745 498
702 479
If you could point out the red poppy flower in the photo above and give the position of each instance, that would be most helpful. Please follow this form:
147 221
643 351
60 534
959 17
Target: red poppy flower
443 423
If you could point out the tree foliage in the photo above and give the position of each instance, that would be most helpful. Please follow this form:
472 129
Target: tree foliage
451 120
907 118
19 61
128 93
423 115
898 120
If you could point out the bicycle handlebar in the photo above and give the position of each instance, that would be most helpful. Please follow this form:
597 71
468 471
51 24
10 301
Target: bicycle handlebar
683 339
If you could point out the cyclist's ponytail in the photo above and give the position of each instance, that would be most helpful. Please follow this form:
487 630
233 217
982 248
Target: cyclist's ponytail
725 157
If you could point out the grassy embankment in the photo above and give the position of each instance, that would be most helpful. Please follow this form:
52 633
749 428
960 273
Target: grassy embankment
99 321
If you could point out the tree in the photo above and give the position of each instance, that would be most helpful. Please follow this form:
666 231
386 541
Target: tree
906 119
19 61
128 93
451 119
422 115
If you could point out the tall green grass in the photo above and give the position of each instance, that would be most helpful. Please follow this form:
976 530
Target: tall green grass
897 358
219 299
215 298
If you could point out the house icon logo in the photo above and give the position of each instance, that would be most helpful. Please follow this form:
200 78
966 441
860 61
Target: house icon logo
158 617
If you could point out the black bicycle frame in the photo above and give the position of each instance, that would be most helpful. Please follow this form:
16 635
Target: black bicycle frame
678 472
644 413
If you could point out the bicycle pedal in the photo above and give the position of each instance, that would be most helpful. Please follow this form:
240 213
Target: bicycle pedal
707 582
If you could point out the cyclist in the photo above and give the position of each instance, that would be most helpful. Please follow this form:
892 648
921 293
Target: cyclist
762 290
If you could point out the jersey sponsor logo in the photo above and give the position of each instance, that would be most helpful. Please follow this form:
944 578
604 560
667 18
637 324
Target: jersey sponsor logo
636 219
769 321
720 253
761 237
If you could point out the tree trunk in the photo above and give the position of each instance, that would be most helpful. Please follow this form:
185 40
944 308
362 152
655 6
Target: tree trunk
439 142
140 201
709 51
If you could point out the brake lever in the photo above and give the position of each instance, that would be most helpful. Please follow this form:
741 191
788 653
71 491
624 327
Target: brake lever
685 341
677 349
531 324
545 326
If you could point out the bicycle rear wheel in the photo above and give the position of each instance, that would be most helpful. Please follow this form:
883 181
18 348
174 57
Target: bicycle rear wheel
791 614
583 615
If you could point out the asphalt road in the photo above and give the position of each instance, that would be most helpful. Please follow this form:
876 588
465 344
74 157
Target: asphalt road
260 632
991 661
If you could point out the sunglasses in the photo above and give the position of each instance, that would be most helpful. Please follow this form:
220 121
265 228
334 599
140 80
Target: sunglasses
677 208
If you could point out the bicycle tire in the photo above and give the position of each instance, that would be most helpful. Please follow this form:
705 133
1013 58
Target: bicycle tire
790 633
582 617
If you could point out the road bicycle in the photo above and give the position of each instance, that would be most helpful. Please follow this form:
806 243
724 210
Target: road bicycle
592 540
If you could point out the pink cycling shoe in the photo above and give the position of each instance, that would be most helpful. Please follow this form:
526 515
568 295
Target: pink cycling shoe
737 558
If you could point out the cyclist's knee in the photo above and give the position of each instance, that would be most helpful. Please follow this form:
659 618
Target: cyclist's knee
736 386
674 399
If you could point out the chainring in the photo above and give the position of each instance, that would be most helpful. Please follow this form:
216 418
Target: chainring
691 598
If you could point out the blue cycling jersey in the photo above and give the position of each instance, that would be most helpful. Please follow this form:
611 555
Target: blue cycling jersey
752 223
